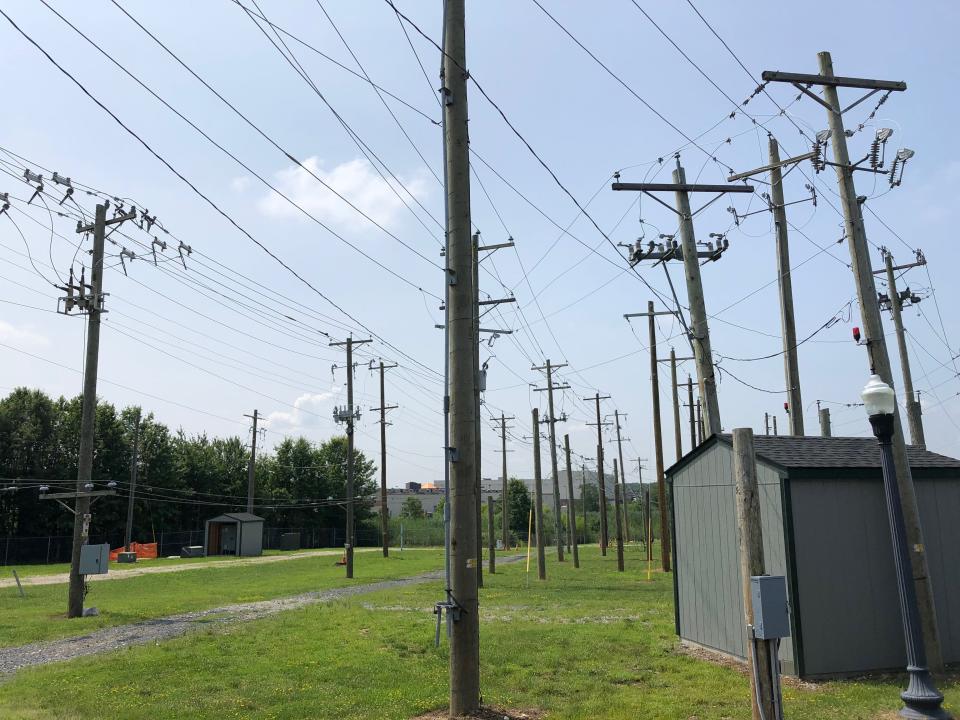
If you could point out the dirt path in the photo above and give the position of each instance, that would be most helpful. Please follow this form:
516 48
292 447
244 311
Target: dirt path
134 571
115 638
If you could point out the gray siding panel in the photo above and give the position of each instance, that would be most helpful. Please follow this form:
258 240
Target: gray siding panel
848 597
710 597
939 502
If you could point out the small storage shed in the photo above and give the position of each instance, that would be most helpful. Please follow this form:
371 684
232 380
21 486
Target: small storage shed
239 533
825 528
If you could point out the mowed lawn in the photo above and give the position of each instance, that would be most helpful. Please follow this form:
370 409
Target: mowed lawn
586 644
42 614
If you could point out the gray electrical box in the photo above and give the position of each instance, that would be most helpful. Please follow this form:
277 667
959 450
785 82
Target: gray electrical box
94 559
771 615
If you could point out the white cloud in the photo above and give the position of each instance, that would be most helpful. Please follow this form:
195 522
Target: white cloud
308 411
240 184
22 336
356 180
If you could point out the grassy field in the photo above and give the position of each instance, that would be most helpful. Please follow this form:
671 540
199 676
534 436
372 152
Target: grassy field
41 615
585 644
27 571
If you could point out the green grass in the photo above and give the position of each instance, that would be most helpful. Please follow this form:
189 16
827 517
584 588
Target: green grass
27 571
41 615
586 644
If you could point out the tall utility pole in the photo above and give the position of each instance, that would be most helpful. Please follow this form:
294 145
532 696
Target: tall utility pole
94 308
643 517
491 542
604 536
349 415
479 375
699 329
693 415
777 206
701 434
623 474
617 508
252 462
461 454
571 509
894 301
552 423
538 497
677 441
384 516
128 536
791 365
583 498
657 433
824 414
870 314
505 494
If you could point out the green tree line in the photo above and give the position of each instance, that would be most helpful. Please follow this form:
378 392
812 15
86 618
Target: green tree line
182 479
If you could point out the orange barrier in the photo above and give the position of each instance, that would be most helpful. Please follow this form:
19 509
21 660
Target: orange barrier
144 551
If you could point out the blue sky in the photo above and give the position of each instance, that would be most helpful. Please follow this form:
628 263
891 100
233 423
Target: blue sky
212 341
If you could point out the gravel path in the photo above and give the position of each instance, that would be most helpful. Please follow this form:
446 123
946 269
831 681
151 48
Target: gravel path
119 573
115 638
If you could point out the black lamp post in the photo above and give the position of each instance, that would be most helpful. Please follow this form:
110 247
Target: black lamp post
921 699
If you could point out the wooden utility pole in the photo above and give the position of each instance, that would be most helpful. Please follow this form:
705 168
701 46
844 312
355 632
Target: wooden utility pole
751 563
464 552
505 494
657 433
701 433
348 416
699 329
571 509
623 475
604 535
693 410
88 416
252 463
552 424
491 535
777 205
824 414
477 434
791 365
876 343
895 301
687 251
677 440
583 498
538 497
617 508
384 515
128 536
774 424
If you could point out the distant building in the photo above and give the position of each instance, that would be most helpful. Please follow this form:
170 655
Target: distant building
430 494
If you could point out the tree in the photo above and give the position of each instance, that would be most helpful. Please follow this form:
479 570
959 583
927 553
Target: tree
412 508
591 496
519 501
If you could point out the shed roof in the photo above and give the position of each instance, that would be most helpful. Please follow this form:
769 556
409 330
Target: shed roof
814 451
237 517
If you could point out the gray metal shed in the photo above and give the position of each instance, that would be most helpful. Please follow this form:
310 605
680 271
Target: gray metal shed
239 533
825 528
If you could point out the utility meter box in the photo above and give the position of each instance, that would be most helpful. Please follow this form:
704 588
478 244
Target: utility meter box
771 614
94 559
